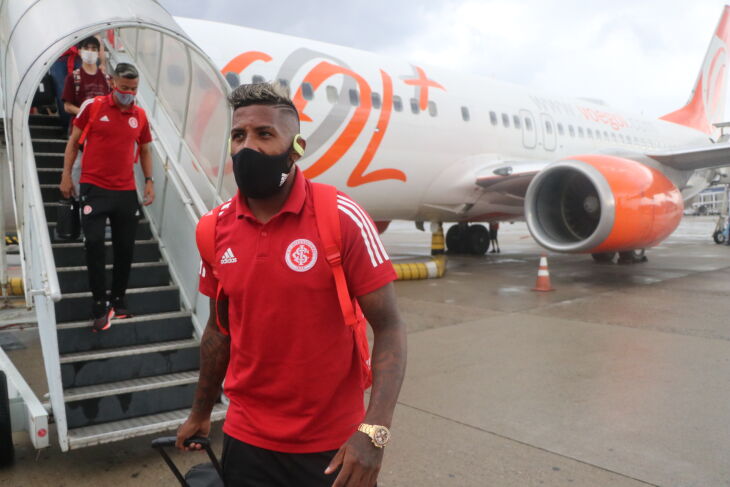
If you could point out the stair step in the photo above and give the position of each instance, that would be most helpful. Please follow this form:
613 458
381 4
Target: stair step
46 132
54 145
127 399
45 120
129 386
143 274
50 192
143 231
141 301
130 428
49 160
73 253
77 336
99 367
49 175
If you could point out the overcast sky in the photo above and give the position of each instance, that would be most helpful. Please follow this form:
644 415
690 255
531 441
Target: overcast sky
641 55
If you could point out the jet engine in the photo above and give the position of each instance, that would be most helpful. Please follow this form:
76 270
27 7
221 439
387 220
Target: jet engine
601 203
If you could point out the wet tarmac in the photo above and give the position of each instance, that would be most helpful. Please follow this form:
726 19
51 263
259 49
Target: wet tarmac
619 377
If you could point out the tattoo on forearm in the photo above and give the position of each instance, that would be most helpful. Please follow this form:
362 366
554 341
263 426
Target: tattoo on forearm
214 355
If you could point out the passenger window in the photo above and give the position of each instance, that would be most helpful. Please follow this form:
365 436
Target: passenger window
414 106
589 132
571 130
528 124
376 100
548 127
397 104
465 114
605 135
257 78
432 110
493 118
613 136
332 94
505 120
560 129
354 98
284 83
233 79
307 91
516 121
621 136
580 131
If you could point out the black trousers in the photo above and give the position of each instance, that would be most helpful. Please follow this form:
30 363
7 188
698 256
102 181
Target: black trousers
245 465
122 210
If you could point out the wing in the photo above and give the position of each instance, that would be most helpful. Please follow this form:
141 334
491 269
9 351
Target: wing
707 157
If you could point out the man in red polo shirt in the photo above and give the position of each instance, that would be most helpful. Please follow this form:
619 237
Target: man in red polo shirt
117 132
276 330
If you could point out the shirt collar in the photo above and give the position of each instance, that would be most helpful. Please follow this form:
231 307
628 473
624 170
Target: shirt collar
293 204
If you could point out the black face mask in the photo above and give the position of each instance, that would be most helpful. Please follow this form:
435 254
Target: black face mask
259 175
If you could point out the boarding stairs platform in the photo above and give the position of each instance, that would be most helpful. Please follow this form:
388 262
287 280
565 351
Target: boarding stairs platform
142 372
139 376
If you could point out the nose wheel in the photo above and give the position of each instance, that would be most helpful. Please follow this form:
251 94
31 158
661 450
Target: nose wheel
463 238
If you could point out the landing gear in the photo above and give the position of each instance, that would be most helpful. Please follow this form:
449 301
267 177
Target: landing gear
604 257
636 256
719 237
463 238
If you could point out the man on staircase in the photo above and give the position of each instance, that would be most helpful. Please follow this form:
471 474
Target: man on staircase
115 133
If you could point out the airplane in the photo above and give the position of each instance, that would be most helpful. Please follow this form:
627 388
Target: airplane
417 143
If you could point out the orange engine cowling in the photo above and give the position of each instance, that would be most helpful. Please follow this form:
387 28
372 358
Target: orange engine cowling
601 203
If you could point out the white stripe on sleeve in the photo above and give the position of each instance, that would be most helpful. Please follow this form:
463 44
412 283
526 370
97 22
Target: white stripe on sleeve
362 232
371 230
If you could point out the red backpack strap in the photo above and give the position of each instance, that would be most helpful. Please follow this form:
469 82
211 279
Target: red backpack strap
93 112
328 225
205 233
205 236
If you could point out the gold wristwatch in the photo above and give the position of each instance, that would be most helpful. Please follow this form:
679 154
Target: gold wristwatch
379 435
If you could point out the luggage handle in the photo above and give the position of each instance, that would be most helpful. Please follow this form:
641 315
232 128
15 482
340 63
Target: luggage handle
161 443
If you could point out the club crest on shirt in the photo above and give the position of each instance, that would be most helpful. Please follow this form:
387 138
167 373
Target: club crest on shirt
133 122
301 255
88 209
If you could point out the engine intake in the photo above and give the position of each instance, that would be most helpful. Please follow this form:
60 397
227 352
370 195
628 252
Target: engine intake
601 203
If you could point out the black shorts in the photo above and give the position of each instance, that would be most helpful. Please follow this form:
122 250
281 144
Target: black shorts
245 465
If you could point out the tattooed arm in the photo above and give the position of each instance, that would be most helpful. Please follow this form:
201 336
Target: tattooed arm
214 355
360 459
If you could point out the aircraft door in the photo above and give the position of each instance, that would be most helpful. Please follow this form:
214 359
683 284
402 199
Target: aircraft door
529 131
548 129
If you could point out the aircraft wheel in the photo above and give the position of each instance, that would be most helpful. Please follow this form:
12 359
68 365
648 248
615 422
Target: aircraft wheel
477 240
455 239
719 237
604 257
635 256
7 452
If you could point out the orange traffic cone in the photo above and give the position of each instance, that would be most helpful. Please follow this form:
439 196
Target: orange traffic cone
543 276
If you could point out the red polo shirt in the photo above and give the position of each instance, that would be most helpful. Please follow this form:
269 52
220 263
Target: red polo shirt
110 148
293 378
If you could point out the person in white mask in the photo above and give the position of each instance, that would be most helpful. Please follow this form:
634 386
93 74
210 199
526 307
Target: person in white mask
82 84
85 82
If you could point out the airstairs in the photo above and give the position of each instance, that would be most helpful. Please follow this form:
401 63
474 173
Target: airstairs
138 377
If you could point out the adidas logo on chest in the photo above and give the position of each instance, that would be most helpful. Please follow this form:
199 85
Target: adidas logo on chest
228 257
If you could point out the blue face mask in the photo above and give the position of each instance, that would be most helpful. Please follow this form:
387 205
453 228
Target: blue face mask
124 97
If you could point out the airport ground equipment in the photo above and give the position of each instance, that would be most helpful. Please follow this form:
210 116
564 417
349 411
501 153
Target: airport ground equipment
138 377
203 475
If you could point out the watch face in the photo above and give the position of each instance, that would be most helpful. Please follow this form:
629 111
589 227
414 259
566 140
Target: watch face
381 436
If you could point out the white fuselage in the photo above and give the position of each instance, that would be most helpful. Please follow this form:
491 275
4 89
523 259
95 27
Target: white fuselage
439 152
